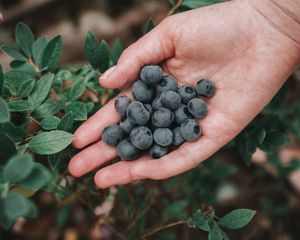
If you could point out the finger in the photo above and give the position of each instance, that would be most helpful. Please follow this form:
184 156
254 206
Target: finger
91 158
90 131
152 48
172 164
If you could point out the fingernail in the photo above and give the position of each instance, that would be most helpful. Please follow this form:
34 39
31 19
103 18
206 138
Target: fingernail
107 73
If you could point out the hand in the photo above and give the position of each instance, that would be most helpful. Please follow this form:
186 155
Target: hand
232 44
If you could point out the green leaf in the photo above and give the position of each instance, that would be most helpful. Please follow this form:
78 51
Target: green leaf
38 178
116 51
26 88
215 233
12 52
19 106
16 77
104 56
54 161
7 148
49 107
18 168
38 49
50 142
237 218
4 111
274 140
67 122
149 26
175 210
1 80
24 38
78 109
200 3
17 133
41 90
92 50
52 53
77 89
50 122
198 221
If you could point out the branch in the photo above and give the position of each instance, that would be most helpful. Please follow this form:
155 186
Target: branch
175 7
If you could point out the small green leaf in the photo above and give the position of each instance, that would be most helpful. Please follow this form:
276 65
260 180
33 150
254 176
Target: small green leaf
18 168
19 106
116 51
50 142
104 56
149 26
50 122
7 148
12 52
78 109
200 3
38 49
215 233
77 89
41 90
274 140
38 178
92 50
52 53
237 218
4 111
49 107
54 160
198 221
1 80
26 88
24 38
16 133
67 122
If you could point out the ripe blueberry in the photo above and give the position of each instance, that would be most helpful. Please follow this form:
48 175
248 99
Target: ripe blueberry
163 136
156 104
126 150
112 134
141 137
151 74
126 125
197 107
177 137
142 92
181 114
190 130
157 151
149 108
205 88
163 117
170 99
187 92
166 84
137 113
121 104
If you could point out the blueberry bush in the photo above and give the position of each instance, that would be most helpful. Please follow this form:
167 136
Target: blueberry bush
42 104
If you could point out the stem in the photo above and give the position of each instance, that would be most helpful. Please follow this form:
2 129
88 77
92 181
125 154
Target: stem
34 120
36 68
175 7
162 228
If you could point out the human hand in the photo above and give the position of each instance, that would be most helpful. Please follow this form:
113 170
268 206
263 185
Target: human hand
234 45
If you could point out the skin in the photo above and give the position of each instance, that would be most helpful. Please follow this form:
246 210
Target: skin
247 48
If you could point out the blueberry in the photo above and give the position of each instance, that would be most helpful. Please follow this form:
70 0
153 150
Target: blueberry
170 99
163 136
126 150
177 137
126 125
187 92
163 117
142 92
190 130
141 137
166 84
149 108
151 74
137 113
112 134
181 114
156 104
121 104
157 151
205 88
197 107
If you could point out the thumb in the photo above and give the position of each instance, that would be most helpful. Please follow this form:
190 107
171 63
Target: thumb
152 48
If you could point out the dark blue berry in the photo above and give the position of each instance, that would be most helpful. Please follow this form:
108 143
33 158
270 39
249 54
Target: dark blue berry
121 104
187 92
142 92
157 151
181 114
168 83
112 134
137 113
177 137
205 88
151 74
141 137
126 150
197 107
126 125
163 117
190 130
170 99
163 136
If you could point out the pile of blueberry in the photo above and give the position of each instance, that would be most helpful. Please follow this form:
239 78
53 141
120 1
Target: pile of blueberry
162 115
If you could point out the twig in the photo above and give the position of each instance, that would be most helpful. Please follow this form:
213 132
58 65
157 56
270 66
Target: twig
34 120
175 7
162 228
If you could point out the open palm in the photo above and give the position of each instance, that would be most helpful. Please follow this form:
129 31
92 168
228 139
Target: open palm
231 44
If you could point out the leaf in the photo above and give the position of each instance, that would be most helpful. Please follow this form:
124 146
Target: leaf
41 90
7 148
67 122
215 233
26 88
12 52
104 56
52 53
16 133
274 140
1 80
237 218
18 168
77 89
4 111
78 109
175 210
54 161
92 50
38 178
49 107
200 3
19 106
116 51
38 49
24 38
198 221
149 25
50 122
16 77
50 142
